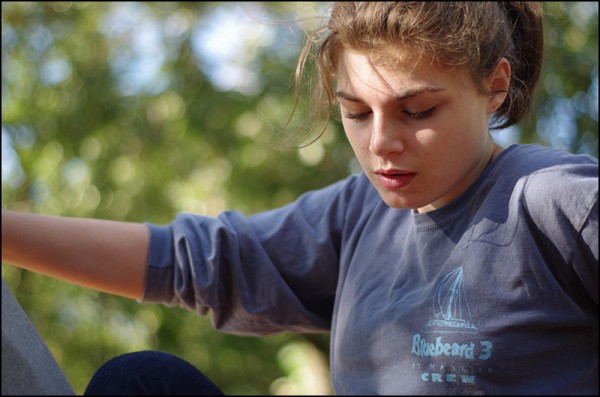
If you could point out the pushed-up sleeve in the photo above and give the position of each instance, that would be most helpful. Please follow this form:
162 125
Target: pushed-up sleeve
270 272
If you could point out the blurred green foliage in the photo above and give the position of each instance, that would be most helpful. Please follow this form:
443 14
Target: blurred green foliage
138 110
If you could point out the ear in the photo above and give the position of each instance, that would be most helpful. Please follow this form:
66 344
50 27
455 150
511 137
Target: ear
499 82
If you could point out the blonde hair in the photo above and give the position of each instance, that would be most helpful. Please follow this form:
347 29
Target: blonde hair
469 35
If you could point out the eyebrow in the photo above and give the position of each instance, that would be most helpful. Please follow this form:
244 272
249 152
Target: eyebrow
399 97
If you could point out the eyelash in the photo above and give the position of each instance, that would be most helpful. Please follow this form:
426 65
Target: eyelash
415 116
421 115
354 116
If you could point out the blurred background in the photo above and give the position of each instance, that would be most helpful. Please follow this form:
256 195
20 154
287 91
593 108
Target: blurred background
138 110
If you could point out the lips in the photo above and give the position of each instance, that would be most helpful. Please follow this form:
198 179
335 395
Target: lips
394 179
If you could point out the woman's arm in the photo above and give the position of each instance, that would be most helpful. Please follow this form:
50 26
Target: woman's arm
109 256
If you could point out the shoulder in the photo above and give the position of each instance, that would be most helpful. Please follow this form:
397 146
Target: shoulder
552 184
528 158
542 170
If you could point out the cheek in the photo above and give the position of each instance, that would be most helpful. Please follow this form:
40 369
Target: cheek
433 142
440 150
358 138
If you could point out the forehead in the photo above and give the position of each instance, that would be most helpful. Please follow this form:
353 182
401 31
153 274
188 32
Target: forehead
395 73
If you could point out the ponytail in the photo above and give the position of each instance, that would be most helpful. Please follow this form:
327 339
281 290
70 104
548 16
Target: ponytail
525 19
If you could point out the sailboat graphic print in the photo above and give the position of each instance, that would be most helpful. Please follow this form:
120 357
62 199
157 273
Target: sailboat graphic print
451 312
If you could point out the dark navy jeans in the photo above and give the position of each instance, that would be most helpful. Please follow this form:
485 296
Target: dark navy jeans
150 373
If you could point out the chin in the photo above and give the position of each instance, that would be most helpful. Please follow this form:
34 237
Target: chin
401 199
395 200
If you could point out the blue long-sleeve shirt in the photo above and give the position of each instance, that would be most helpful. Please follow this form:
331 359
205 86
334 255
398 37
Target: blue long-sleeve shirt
495 293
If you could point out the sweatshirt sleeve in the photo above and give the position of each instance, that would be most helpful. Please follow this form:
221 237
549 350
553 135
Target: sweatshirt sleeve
563 205
271 272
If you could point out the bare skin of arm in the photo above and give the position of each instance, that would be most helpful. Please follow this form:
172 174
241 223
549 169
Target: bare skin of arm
108 256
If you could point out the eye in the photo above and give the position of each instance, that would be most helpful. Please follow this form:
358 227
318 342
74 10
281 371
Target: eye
420 115
356 116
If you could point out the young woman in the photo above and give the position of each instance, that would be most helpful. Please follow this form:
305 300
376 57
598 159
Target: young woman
449 265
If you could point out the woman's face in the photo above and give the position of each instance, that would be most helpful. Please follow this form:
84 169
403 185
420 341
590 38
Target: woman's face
420 134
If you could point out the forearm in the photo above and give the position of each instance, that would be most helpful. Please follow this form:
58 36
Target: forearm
109 256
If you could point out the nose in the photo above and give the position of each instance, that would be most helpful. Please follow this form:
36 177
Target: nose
386 138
